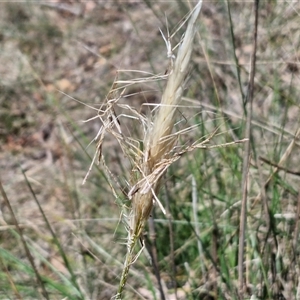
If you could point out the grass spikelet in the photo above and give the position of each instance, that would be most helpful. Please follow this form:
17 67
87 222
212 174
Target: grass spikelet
157 140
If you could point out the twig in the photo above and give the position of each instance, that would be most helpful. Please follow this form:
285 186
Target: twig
297 173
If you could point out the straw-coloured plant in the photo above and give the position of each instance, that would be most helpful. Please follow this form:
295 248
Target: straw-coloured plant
157 156
158 151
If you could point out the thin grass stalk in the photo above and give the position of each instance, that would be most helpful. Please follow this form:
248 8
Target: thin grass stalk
269 219
197 228
296 232
153 253
233 41
158 142
171 236
39 279
10 279
55 239
243 216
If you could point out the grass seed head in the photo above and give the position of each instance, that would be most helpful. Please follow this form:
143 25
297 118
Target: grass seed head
151 163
